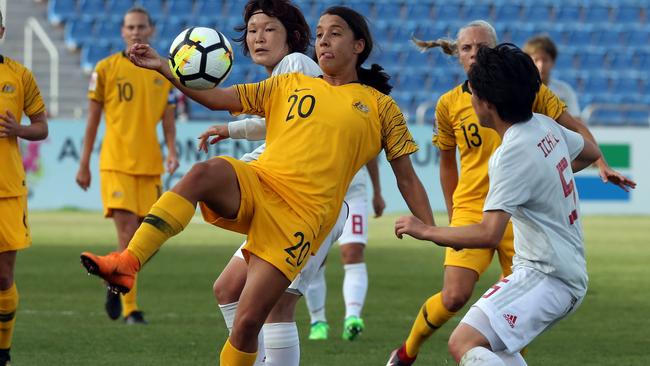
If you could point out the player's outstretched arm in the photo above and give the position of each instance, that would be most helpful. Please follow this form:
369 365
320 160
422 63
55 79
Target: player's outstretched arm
378 203
448 178
37 129
169 131
94 117
607 174
412 189
487 234
225 99
590 153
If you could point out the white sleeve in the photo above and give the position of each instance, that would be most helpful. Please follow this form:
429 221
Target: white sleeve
574 141
251 129
297 62
509 188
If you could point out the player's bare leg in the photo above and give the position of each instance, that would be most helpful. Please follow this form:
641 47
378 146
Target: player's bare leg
126 223
355 287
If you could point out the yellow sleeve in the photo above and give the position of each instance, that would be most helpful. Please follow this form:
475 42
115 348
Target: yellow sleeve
548 103
256 98
396 137
97 82
443 135
33 103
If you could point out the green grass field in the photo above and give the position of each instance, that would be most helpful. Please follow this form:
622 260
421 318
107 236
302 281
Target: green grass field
61 320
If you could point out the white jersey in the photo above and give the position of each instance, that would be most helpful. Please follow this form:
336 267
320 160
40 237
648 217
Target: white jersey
255 128
531 179
566 94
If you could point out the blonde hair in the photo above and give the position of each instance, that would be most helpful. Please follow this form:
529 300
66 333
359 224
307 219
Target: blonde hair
450 47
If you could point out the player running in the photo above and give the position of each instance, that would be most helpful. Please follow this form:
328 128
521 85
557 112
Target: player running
531 180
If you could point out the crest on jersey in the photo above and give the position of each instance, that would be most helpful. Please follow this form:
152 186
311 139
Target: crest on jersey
8 88
362 107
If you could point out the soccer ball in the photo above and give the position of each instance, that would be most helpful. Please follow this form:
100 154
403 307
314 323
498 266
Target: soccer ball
200 58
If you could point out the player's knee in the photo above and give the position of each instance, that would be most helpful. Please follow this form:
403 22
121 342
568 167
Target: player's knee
248 323
226 292
454 299
456 347
352 253
6 281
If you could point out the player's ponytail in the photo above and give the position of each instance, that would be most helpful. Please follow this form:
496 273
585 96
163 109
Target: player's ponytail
375 76
448 46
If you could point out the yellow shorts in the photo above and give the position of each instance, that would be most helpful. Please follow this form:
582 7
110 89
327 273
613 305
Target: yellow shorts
275 232
479 259
14 230
134 193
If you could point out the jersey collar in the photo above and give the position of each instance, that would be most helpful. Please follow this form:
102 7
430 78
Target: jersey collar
2 59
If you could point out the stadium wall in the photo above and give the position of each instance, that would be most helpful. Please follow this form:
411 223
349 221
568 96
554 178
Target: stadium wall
52 164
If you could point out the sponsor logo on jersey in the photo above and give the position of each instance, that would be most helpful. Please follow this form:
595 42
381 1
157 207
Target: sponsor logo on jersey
511 319
117 194
362 107
8 88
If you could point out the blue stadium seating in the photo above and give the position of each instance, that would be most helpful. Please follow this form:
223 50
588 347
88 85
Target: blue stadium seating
636 118
604 46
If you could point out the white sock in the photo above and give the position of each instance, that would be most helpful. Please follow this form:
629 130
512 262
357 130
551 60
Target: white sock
228 311
508 359
355 286
315 297
282 344
480 356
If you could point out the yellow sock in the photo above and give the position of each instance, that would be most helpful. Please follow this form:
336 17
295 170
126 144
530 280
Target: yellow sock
128 299
432 316
8 306
168 217
231 356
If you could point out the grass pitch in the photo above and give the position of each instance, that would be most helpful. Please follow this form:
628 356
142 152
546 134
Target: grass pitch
61 320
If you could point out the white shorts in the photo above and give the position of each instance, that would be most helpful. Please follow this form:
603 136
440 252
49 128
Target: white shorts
520 307
356 228
300 283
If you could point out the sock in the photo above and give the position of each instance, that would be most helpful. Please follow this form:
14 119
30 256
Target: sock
129 303
480 356
168 217
282 344
231 356
355 286
315 297
228 311
508 359
432 316
8 307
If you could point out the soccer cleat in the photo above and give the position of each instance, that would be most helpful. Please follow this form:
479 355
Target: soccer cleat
319 331
352 327
5 358
117 269
113 305
399 357
136 317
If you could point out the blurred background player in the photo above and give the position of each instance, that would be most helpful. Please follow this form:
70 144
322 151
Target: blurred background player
18 93
458 128
352 244
531 180
134 100
280 200
543 51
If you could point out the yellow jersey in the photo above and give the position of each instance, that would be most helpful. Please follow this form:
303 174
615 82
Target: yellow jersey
134 101
458 126
18 93
318 136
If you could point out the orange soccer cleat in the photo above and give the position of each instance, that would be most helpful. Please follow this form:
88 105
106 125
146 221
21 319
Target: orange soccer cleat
117 269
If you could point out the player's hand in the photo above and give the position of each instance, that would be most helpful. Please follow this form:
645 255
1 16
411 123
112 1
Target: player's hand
609 175
412 226
83 178
145 56
171 163
221 133
378 205
9 127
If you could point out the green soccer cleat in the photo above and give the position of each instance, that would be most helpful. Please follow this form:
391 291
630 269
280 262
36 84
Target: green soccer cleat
319 331
352 327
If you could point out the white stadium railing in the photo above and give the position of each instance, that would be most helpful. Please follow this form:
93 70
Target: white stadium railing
32 26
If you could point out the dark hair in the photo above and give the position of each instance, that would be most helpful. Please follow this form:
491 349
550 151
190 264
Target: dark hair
141 10
298 33
507 78
542 43
375 76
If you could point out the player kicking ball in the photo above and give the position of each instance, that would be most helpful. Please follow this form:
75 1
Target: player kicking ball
531 180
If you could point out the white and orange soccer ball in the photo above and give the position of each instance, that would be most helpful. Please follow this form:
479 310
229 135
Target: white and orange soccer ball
201 58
